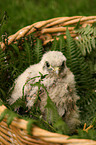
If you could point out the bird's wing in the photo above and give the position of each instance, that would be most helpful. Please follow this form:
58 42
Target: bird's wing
22 85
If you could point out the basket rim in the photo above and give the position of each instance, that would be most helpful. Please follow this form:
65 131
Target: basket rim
46 26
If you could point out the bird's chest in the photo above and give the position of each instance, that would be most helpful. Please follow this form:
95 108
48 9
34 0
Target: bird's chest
58 92
55 86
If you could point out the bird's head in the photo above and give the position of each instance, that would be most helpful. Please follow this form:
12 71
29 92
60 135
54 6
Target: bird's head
54 62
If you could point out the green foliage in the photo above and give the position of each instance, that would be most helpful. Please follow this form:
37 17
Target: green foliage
89 108
10 116
38 51
84 82
59 45
3 22
87 44
3 114
52 114
62 44
55 45
54 118
28 51
78 64
29 126
3 60
84 135
3 72
86 39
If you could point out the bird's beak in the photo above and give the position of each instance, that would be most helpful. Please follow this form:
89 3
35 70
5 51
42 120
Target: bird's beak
56 70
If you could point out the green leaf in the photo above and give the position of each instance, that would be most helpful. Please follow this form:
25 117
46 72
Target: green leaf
3 114
28 53
54 45
30 124
11 116
86 39
61 127
54 118
15 47
38 51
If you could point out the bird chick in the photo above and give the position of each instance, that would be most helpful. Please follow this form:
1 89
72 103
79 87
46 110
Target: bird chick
59 83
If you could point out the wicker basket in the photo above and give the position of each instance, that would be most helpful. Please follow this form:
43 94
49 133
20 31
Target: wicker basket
16 133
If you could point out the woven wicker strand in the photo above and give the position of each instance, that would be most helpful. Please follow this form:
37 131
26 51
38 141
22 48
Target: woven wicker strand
55 25
16 133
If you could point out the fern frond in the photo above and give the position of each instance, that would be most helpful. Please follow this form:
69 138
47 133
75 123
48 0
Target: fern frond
3 114
38 51
15 47
88 30
62 44
28 53
54 45
85 83
54 118
77 63
89 109
52 114
59 45
15 53
11 116
29 125
86 39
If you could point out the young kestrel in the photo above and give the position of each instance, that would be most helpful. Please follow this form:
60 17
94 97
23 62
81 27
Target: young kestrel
59 83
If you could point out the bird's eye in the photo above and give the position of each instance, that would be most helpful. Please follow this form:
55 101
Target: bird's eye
47 64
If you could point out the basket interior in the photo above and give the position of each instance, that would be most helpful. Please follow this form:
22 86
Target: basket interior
54 34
